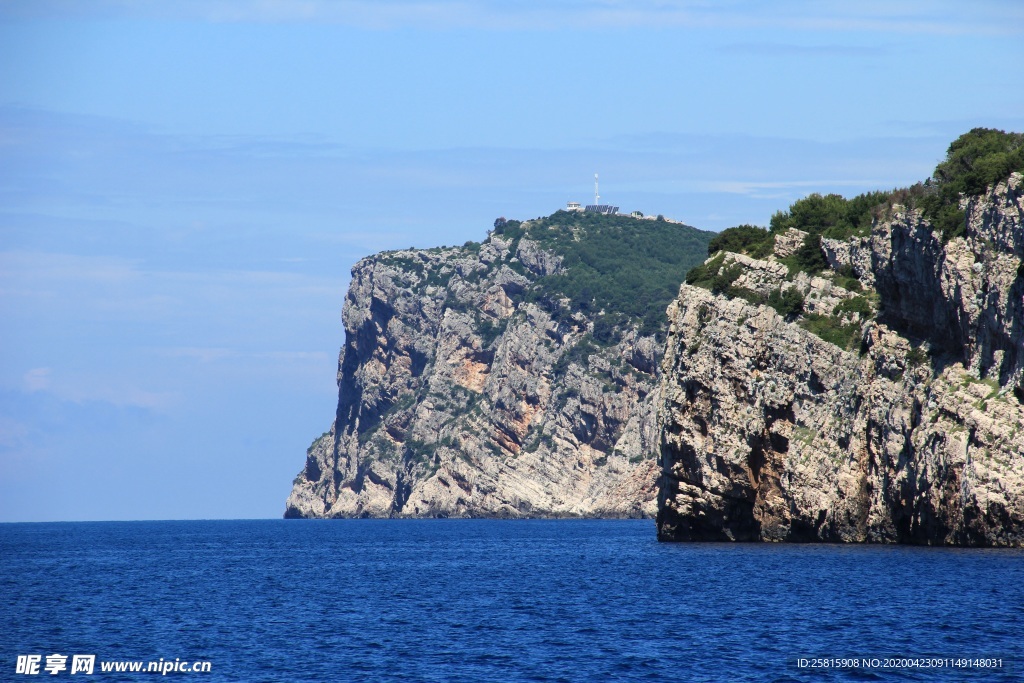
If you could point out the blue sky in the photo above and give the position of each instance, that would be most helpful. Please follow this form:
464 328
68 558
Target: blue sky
184 187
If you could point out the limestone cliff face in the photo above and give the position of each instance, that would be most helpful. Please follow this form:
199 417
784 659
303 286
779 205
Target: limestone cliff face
460 396
915 434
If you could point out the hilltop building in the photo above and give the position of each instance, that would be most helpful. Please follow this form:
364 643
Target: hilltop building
606 209
596 207
609 210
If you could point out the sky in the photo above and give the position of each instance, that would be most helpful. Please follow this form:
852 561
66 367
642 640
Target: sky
184 188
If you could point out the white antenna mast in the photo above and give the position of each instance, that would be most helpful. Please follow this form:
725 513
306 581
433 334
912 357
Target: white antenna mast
597 197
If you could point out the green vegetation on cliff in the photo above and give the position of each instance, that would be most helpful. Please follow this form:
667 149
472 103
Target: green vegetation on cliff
974 163
752 240
831 215
626 267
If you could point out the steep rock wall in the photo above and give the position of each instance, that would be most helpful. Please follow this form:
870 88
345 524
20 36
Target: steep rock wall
914 434
459 397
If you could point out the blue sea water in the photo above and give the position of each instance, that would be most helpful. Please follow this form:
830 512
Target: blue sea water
489 600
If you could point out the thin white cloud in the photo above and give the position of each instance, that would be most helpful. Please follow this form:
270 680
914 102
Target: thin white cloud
121 396
113 284
293 356
771 49
201 354
214 354
37 379
83 389
756 188
56 266
897 16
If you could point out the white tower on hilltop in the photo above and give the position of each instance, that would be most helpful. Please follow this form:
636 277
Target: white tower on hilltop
597 206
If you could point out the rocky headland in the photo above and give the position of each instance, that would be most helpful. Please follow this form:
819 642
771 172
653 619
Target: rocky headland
511 378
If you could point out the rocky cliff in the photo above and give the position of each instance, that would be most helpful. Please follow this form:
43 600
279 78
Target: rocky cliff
879 400
510 378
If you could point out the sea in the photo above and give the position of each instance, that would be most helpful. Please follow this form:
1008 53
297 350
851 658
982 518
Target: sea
493 600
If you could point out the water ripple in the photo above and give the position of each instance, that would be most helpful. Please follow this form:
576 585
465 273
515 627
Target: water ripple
472 601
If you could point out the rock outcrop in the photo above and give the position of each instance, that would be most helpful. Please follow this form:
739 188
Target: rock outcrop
467 389
912 433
